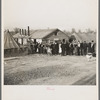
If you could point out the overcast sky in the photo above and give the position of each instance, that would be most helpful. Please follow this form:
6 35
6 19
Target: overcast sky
62 14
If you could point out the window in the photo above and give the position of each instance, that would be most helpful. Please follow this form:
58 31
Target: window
55 34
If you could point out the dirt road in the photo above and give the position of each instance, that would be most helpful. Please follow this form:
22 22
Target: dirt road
50 70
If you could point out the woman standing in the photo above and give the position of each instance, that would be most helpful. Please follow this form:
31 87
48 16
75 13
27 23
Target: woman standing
49 50
60 51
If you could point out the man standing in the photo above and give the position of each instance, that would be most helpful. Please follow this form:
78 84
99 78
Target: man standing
63 47
67 48
81 48
53 48
78 48
85 47
56 48
89 47
92 47
29 48
71 48
35 46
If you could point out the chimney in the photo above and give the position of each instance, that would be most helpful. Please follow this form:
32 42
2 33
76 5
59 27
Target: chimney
28 31
20 31
25 32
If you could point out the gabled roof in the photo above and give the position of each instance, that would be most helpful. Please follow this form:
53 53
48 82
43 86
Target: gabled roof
41 33
9 41
68 33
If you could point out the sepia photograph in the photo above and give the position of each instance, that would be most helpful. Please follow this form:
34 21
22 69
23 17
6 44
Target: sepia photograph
50 42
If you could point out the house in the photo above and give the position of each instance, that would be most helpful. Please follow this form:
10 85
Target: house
48 35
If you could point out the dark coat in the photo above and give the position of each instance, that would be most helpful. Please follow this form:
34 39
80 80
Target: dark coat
84 46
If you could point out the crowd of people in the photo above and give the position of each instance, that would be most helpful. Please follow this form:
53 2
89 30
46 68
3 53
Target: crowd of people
62 48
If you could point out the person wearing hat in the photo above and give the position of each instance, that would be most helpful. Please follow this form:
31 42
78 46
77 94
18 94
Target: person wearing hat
92 47
85 47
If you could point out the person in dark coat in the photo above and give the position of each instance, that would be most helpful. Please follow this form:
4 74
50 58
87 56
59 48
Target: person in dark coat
32 47
35 46
71 48
67 48
78 48
44 49
53 48
56 48
29 48
85 47
63 47
41 48
81 48
89 47
92 47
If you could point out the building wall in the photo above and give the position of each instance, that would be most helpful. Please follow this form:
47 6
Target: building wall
37 40
20 40
24 41
56 36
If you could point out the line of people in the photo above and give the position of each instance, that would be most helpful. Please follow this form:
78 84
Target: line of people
63 48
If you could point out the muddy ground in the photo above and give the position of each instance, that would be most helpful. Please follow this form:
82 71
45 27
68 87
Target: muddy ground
50 70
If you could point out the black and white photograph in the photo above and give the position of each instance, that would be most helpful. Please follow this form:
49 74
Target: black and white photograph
50 42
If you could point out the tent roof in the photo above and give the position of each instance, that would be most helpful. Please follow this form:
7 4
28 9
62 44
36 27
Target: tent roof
9 41
84 37
88 37
77 36
91 36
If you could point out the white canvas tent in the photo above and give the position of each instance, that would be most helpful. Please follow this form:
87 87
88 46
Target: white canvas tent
9 42
77 37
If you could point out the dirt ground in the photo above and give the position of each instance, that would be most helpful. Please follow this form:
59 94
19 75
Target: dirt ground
50 70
